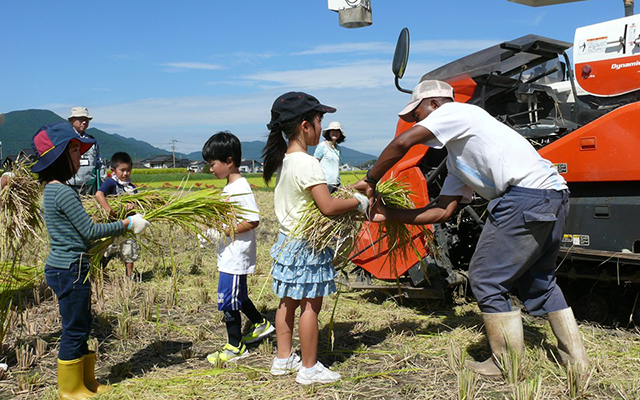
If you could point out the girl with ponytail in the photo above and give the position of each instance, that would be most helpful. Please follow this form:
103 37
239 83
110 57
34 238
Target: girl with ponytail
301 276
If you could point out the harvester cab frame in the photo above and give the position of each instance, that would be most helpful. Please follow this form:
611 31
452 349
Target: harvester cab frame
575 117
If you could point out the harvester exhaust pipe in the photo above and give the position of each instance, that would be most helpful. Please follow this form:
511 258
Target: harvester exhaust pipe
628 8
352 13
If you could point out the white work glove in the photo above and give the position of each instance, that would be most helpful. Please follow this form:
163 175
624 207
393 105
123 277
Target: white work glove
137 223
363 201
210 236
118 240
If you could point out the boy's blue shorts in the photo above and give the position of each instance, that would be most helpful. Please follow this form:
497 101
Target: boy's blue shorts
232 291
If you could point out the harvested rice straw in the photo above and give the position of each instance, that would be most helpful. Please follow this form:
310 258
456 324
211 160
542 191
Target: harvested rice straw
321 230
191 211
20 212
399 237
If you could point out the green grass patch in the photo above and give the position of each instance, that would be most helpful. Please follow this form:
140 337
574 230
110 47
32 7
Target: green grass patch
207 180
18 277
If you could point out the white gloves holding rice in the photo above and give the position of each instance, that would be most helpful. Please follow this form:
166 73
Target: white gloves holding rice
363 201
210 236
137 223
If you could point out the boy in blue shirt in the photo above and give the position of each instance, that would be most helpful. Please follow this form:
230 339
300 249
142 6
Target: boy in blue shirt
119 183
236 250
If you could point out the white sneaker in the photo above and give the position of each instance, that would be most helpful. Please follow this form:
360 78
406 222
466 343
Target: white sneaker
291 364
316 374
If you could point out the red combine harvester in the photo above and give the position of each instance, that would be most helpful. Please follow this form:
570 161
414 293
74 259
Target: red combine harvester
585 120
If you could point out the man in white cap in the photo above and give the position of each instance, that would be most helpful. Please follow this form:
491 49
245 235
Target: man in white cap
89 176
528 204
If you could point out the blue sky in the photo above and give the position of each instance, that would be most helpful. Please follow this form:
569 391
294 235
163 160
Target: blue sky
157 70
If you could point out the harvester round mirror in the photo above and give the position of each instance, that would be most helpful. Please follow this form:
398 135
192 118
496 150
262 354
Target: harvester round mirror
401 55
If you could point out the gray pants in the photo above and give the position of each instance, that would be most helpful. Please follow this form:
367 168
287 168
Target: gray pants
519 245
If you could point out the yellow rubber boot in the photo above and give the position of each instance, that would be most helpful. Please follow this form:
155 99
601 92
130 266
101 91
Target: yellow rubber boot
71 380
89 375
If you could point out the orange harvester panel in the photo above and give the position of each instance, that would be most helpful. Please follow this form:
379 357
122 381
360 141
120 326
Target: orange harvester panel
606 150
371 252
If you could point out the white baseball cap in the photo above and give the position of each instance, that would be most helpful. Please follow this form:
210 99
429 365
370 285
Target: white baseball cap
80 112
425 90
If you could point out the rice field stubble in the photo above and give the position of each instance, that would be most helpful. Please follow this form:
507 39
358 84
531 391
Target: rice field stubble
152 337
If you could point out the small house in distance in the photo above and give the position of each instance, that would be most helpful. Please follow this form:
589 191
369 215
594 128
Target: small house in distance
196 166
161 162
346 167
250 166
25 155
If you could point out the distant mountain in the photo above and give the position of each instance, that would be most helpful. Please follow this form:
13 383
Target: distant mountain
253 151
20 126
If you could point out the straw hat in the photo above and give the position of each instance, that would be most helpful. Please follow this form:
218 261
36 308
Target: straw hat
80 112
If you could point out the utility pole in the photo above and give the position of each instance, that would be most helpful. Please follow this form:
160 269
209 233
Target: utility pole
173 148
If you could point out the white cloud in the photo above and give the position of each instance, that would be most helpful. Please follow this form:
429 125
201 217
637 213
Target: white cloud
368 115
368 47
433 47
364 74
451 46
193 65
538 20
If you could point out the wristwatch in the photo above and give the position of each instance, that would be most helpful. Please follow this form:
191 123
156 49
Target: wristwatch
370 180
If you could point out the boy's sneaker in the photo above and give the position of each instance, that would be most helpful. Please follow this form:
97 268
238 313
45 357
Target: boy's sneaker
228 353
316 374
291 364
258 331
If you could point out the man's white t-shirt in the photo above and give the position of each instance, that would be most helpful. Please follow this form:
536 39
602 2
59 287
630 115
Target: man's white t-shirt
298 173
484 155
238 256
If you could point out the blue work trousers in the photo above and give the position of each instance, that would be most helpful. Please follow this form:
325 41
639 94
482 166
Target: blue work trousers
73 290
519 245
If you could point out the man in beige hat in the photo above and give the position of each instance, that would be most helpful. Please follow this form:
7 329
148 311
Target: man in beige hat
528 204
90 174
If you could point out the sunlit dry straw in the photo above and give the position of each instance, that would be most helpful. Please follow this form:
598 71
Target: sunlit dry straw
191 211
398 236
321 231
20 212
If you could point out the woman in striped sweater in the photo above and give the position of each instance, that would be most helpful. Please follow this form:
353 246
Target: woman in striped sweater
71 232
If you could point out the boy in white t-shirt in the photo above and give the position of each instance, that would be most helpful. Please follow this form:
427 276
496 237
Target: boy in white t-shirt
521 238
236 250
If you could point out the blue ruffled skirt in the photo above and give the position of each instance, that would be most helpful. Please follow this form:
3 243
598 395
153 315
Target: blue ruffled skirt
299 272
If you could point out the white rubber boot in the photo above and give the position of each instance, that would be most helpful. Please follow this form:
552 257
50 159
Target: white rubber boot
570 347
504 330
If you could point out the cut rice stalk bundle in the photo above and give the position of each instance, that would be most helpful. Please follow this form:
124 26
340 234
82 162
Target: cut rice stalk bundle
192 211
320 230
20 212
400 237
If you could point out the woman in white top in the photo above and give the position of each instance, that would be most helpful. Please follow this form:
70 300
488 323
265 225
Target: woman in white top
328 153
